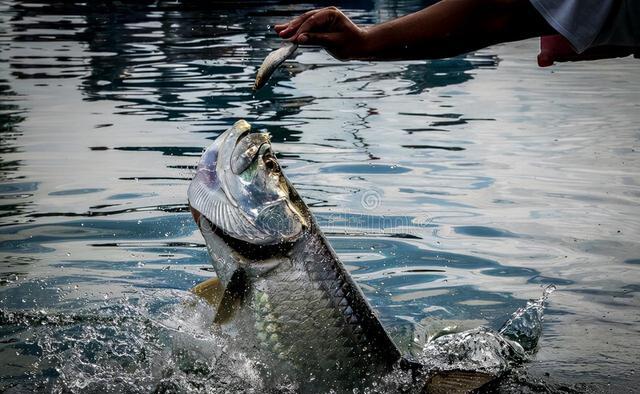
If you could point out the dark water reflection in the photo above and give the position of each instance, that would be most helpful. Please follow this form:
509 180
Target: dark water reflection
452 189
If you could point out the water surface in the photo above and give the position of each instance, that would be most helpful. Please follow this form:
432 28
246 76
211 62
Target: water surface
453 190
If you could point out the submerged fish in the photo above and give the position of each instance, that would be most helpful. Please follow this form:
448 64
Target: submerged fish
272 62
291 298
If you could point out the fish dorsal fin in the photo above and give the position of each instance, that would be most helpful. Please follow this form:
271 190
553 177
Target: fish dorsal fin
456 382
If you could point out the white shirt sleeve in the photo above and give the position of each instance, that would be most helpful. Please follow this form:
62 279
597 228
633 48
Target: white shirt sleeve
623 25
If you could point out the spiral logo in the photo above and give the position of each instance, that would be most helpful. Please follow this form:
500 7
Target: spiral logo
274 221
370 200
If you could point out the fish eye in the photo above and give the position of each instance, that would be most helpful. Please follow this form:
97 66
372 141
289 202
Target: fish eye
271 164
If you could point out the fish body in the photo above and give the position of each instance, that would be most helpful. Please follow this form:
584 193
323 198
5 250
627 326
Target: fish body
272 62
300 304
307 313
291 298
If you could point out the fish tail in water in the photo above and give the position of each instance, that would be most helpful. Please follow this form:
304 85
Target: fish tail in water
272 62
525 325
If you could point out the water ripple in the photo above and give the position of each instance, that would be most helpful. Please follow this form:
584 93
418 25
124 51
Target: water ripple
491 178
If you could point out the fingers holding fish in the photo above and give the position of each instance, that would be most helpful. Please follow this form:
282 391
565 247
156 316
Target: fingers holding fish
328 28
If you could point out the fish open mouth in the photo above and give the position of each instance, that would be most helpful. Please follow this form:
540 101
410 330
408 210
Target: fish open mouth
241 190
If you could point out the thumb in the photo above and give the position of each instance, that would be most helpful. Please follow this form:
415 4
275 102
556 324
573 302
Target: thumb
545 59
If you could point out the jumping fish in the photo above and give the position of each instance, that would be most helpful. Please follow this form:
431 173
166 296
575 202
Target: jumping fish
291 298
272 62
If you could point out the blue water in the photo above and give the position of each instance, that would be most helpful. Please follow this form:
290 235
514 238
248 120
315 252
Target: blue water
453 190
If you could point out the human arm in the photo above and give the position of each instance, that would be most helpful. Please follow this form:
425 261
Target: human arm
447 28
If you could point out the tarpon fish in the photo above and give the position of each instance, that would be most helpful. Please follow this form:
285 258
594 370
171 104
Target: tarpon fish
272 62
290 297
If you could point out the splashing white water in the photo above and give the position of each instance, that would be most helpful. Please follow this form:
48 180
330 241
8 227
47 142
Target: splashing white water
485 350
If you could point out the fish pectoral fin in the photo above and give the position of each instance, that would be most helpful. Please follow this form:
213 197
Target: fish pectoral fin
233 297
456 382
225 299
210 290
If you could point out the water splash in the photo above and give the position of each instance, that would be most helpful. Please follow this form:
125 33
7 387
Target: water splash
151 343
165 342
525 325
485 350
480 349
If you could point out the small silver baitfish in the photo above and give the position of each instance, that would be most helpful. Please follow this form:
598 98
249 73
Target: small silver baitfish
272 62
292 303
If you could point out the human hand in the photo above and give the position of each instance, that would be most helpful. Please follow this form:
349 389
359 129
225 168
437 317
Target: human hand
329 28
556 48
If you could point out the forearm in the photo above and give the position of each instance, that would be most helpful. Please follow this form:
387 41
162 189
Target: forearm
452 27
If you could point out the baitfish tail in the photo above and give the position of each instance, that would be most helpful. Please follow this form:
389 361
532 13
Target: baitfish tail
525 325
